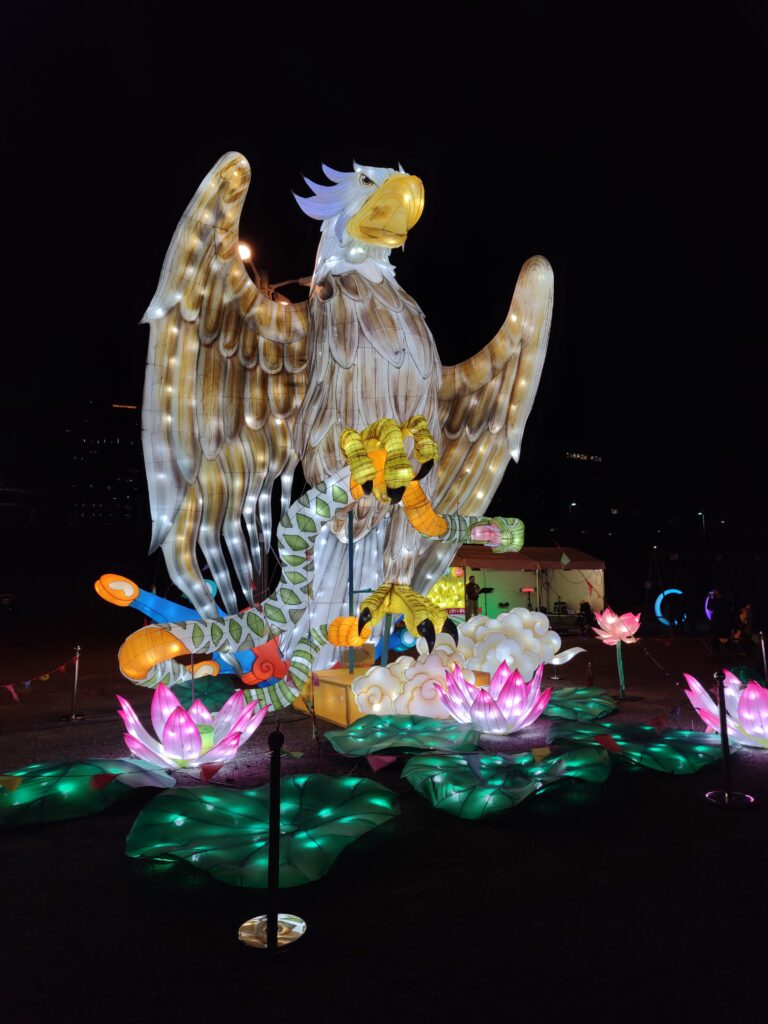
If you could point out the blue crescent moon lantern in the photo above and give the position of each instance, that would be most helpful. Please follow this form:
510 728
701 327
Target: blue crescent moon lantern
657 607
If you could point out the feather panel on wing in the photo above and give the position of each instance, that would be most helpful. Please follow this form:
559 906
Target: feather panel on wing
225 363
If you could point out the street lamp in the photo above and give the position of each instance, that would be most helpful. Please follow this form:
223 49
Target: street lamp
703 525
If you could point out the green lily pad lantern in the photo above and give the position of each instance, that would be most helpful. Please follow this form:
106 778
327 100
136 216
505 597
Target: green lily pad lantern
474 785
225 831
402 734
675 751
579 703
72 789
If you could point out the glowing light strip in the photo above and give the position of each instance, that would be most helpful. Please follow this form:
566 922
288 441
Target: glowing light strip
657 607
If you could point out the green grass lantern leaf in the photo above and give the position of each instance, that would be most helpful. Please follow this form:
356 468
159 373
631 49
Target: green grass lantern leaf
580 704
72 789
474 785
402 734
225 831
675 751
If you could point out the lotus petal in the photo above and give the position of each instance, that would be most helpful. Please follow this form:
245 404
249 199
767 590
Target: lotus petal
753 711
454 705
510 690
536 709
245 716
134 726
181 737
251 726
486 714
164 702
225 831
732 686
199 713
499 680
228 715
459 688
141 750
222 751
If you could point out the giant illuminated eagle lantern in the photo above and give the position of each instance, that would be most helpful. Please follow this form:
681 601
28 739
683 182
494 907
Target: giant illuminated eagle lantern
239 387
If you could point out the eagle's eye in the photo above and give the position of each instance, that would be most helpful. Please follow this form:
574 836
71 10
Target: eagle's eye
365 180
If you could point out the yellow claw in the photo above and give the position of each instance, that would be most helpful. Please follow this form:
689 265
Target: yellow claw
400 599
377 457
424 445
148 647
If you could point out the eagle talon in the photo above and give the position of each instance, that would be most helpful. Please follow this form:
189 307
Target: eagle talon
449 627
427 630
395 494
363 619
424 469
368 487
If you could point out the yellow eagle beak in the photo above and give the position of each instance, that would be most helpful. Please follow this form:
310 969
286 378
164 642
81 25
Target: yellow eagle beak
390 213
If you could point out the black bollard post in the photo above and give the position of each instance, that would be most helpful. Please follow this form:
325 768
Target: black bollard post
272 931
275 741
726 797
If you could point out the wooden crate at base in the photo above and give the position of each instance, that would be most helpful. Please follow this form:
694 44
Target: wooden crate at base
335 699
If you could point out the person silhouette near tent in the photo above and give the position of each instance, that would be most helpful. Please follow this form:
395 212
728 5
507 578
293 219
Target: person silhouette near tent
720 624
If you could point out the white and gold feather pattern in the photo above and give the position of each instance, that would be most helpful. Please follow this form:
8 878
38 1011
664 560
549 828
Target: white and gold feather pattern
226 373
239 387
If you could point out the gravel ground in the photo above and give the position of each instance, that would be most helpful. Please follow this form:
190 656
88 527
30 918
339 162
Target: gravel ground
625 900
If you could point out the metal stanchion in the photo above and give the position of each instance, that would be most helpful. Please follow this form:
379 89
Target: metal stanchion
727 797
762 651
73 715
351 554
273 931
385 639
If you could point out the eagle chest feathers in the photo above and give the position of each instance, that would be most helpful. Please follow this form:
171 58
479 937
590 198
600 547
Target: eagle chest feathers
371 355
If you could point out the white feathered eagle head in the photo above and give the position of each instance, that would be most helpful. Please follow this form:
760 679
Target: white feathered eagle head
366 212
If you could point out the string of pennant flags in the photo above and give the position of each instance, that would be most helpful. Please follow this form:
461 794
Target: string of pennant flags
41 678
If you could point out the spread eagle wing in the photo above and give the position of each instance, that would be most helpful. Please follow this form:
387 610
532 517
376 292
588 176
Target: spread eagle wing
226 373
484 404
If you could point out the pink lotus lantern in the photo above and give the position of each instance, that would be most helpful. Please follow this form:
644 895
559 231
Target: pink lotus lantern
614 630
508 705
189 739
746 709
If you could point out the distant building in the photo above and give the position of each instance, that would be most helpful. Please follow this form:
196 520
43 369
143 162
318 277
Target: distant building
105 478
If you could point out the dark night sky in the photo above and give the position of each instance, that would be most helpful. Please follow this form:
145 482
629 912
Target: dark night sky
624 142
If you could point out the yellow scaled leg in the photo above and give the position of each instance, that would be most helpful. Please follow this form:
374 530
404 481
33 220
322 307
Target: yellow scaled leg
422 616
421 515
